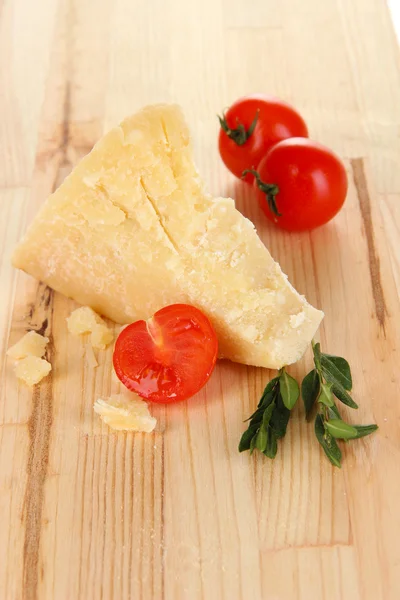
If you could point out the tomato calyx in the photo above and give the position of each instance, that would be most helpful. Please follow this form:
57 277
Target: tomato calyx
238 135
269 189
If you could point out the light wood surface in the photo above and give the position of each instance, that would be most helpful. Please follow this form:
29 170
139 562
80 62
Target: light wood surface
87 514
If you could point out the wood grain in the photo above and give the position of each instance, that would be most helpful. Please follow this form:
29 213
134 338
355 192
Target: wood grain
179 514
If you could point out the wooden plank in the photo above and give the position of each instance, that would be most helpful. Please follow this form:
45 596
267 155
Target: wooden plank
13 460
390 208
376 77
13 207
324 572
179 513
26 32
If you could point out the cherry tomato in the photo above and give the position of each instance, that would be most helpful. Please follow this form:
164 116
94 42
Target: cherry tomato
169 357
251 126
300 184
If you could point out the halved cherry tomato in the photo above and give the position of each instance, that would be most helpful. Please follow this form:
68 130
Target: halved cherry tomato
169 357
300 184
251 126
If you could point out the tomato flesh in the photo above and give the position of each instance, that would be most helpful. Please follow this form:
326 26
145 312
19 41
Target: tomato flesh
168 358
312 184
276 121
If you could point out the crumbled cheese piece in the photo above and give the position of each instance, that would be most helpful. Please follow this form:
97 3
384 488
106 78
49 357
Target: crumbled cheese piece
125 412
101 336
31 344
32 369
85 320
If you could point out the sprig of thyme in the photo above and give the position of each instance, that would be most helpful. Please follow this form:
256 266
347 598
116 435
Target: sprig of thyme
330 378
269 422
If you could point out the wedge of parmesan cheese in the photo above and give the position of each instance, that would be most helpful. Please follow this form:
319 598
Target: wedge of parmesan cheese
125 412
132 230
32 369
31 344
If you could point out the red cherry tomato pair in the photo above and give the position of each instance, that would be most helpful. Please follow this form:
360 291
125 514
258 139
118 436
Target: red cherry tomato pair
168 358
299 183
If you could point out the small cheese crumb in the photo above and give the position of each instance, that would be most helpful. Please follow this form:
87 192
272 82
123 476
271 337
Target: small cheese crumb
125 412
32 369
31 344
101 336
85 320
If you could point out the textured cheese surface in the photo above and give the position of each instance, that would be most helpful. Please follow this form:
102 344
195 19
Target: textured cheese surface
32 369
132 230
125 412
101 337
31 344
85 320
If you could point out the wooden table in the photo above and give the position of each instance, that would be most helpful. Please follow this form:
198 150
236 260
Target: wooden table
89 514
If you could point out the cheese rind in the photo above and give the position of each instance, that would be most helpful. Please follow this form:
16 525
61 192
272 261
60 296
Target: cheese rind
31 344
32 369
131 230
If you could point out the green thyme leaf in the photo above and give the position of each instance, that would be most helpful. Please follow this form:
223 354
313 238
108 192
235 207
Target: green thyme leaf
253 443
363 430
271 385
325 397
262 438
340 430
272 446
333 412
339 368
310 391
317 355
289 389
268 393
246 438
338 390
280 418
269 422
256 415
268 414
327 442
